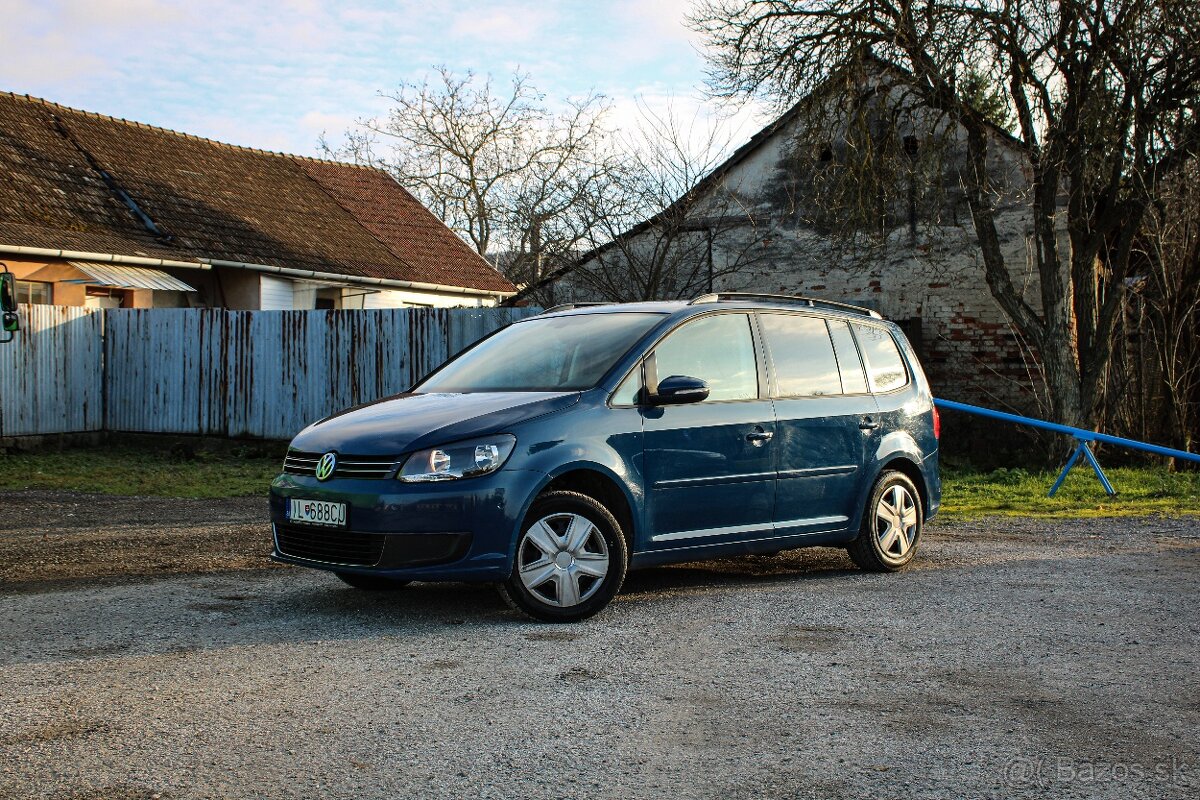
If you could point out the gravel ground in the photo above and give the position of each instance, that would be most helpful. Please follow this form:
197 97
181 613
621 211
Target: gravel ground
52 539
145 656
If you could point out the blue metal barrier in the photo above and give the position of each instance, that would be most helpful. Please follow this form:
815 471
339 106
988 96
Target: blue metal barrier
1084 437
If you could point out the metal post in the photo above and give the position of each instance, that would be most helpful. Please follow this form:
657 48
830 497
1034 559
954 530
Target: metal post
1083 450
1062 476
1087 452
709 236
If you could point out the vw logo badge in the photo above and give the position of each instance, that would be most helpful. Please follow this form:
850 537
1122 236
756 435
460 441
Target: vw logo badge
326 466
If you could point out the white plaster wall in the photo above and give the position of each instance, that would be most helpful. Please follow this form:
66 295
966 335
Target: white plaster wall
364 297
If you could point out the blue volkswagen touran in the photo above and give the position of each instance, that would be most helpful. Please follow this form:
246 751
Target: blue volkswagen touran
569 447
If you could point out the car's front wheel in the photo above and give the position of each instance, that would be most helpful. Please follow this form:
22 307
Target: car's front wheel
891 525
570 560
372 583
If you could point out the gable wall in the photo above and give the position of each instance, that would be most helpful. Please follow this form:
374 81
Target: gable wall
933 283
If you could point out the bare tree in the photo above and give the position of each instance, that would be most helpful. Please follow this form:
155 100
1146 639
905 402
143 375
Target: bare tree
500 167
1171 293
666 223
1104 93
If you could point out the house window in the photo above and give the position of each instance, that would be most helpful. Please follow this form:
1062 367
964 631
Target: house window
35 292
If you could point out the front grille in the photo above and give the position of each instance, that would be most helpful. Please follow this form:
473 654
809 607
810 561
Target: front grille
348 466
329 546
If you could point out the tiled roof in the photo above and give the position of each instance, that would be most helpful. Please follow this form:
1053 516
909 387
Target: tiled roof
214 201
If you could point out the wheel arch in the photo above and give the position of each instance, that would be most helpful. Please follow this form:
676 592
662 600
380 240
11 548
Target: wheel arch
599 483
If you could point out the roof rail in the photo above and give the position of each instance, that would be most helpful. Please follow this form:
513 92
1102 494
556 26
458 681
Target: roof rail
569 306
811 302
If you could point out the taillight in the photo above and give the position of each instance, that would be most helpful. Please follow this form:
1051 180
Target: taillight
937 424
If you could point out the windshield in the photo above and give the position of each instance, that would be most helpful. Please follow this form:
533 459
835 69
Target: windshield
555 354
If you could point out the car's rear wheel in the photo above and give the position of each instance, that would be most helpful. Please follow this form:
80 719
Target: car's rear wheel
372 583
570 561
891 525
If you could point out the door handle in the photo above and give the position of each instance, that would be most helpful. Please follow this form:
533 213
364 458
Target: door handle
755 437
867 425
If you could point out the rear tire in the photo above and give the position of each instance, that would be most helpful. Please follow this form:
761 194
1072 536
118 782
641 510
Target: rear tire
570 560
372 583
891 525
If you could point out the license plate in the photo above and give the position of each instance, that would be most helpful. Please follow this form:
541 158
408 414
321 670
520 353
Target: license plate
317 512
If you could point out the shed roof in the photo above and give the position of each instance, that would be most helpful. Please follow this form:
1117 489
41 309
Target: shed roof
73 180
125 277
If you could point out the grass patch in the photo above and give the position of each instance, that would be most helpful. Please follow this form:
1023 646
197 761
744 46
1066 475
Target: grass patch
180 471
1018 493
247 470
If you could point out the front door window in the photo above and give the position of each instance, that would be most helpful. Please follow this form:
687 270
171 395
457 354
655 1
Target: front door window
717 349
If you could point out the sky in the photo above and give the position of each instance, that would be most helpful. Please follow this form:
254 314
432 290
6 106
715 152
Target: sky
276 74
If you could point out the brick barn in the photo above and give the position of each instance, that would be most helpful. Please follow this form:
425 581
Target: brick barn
923 271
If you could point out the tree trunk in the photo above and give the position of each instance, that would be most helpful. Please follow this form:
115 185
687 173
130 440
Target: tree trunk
1052 330
1062 380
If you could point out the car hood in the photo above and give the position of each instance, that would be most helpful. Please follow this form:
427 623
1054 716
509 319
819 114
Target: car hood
409 422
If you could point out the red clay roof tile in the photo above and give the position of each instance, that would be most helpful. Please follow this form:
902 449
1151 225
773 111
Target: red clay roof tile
214 201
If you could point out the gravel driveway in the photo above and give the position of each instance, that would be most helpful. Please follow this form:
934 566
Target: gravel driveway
144 655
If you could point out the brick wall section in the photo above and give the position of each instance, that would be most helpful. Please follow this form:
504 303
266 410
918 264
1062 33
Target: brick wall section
936 290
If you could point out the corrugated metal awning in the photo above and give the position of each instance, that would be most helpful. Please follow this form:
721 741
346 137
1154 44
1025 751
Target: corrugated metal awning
129 277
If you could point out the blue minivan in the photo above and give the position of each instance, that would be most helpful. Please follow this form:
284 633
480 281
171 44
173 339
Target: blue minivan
565 449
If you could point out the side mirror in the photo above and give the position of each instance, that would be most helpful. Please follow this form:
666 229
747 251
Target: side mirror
679 389
9 321
8 291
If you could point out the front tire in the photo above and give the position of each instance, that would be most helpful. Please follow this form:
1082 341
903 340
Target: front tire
570 561
891 525
372 583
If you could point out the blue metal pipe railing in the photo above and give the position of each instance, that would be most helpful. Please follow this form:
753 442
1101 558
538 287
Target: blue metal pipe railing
1084 437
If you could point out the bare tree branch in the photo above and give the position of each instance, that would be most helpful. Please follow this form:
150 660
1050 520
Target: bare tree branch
1105 95
497 165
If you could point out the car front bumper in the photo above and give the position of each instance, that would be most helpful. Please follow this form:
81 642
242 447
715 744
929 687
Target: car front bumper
456 531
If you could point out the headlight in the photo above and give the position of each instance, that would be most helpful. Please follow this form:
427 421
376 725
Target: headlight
459 460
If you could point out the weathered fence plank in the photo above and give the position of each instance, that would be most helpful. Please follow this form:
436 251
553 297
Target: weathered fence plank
267 374
50 375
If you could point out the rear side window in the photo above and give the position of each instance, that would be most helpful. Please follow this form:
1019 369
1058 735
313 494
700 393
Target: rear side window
885 368
854 380
717 349
801 355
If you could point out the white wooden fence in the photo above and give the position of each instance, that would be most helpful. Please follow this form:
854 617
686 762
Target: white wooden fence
51 377
262 374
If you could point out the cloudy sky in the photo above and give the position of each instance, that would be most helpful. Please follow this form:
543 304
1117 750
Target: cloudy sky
277 73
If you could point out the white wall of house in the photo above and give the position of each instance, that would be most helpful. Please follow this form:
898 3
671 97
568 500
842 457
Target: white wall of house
277 293
304 295
394 298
